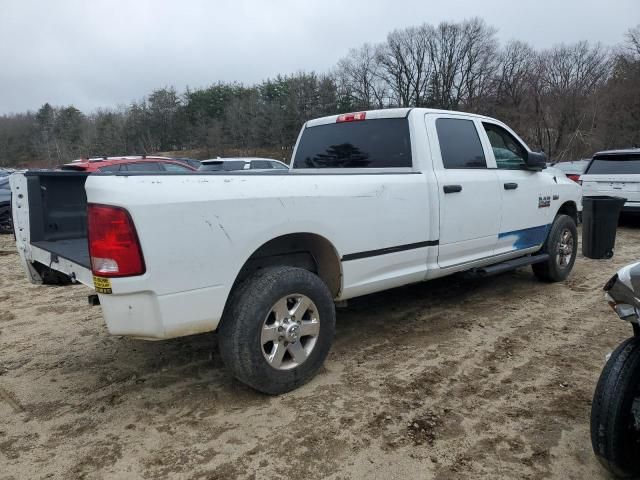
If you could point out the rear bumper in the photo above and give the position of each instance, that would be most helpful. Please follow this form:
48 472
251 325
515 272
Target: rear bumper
156 317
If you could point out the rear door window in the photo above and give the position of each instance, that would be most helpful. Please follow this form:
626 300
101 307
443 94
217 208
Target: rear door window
615 165
460 144
380 143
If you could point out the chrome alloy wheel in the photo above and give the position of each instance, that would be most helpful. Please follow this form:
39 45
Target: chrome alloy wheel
565 248
290 331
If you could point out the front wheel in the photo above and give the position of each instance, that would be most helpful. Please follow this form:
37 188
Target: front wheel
562 246
277 329
615 412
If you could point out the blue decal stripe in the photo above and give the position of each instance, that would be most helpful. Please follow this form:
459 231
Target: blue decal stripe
527 237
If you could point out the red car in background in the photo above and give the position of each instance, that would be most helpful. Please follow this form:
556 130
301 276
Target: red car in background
128 164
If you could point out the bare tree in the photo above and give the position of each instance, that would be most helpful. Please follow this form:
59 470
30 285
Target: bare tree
444 54
515 65
570 75
358 78
478 61
405 66
463 57
633 41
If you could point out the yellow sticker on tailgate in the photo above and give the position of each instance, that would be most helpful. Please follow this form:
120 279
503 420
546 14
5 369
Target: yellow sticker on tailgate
102 285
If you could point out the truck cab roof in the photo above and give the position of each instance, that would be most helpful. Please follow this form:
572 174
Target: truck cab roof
387 113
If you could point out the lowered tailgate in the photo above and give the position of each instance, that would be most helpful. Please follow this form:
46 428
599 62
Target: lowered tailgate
50 221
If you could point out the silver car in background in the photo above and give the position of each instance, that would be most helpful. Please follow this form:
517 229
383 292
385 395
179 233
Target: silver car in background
241 163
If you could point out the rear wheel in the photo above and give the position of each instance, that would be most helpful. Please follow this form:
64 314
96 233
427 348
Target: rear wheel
615 412
562 246
277 329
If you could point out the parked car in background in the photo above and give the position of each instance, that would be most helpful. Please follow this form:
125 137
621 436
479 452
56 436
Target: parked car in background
556 172
128 164
241 163
572 169
615 173
5 205
192 162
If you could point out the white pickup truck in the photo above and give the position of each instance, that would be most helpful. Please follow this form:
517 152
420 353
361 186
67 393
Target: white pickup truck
373 200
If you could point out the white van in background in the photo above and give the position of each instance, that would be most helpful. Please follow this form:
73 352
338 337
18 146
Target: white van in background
615 173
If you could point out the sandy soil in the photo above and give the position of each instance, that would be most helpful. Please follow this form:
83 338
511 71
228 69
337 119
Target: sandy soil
448 379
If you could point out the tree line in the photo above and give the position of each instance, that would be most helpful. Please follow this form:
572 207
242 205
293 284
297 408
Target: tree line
569 100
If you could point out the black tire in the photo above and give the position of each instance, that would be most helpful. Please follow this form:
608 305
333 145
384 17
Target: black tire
239 335
552 270
615 434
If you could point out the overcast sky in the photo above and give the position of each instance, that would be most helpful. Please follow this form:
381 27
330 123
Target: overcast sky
98 53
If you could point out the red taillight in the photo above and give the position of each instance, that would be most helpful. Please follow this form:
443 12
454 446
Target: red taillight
573 176
351 117
113 243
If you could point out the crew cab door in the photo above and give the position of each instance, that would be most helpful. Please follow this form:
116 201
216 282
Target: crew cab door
469 197
526 195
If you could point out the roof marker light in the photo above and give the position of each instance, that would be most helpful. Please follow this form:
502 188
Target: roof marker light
351 117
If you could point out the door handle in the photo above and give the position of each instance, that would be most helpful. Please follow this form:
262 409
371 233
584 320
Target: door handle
510 186
452 188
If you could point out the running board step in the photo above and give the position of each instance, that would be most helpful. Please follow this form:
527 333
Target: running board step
509 265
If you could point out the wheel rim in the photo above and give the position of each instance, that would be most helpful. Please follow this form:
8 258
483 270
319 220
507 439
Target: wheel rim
290 332
565 248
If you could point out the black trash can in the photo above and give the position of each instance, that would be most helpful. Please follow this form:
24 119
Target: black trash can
599 223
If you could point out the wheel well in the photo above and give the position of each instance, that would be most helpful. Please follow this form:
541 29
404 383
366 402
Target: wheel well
303 250
569 208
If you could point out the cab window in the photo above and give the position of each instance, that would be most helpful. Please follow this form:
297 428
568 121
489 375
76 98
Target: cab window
460 145
509 153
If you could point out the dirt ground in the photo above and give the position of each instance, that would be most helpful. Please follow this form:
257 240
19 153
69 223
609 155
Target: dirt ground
448 379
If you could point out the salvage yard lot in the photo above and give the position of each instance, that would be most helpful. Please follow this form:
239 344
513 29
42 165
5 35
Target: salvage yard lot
449 379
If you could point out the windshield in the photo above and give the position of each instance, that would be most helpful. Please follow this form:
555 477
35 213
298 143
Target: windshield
615 164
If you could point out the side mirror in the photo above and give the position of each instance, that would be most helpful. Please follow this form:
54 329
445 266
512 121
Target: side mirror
535 161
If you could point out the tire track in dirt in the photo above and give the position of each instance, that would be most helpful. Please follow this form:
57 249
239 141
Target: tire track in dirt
447 379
